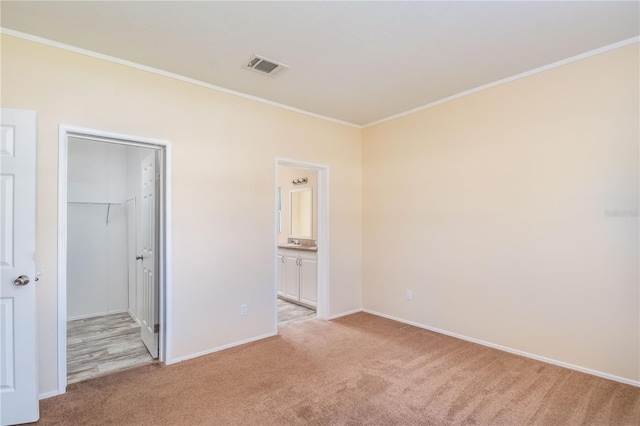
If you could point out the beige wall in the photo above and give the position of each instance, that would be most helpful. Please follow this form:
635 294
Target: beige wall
224 151
285 175
492 209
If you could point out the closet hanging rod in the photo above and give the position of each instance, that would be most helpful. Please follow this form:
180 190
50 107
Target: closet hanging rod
94 204
88 203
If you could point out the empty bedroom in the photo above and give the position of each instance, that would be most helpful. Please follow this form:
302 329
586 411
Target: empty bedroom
382 213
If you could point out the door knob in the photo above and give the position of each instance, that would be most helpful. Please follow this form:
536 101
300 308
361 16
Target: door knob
139 257
21 280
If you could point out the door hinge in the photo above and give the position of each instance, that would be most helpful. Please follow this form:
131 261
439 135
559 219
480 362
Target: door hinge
156 328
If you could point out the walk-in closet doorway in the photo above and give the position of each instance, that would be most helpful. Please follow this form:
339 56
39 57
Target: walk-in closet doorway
112 291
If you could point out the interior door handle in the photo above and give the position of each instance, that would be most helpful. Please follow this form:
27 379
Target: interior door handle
139 257
21 280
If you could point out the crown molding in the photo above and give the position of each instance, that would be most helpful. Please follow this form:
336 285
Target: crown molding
115 60
41 40
509 79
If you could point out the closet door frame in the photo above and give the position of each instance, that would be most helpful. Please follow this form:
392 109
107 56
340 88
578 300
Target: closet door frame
164 236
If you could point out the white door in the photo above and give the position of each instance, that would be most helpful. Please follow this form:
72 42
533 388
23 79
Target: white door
18 369
132 252
149 256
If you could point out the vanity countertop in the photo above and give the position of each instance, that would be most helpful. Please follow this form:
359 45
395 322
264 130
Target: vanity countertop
297 247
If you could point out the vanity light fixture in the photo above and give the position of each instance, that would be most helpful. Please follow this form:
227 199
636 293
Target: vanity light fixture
300 181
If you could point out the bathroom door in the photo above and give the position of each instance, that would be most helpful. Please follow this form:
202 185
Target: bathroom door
149 329
18 365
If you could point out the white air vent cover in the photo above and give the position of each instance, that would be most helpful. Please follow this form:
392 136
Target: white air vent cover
265 66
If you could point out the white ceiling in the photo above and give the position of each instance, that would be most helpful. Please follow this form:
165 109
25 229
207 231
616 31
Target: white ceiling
357 61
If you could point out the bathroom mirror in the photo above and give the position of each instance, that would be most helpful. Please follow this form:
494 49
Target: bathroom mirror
301 213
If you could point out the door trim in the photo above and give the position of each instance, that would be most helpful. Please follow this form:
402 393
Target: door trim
323 304
165 253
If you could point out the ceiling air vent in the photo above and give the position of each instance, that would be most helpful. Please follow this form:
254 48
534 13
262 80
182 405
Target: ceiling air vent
265 66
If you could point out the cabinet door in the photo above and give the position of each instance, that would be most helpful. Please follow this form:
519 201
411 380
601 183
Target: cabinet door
291 285
282 273
309 281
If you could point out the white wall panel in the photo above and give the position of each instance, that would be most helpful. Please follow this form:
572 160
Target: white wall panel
7 350
6 221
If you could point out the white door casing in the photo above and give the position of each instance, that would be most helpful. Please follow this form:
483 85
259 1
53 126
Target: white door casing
163 280
18 367
323 240
149 221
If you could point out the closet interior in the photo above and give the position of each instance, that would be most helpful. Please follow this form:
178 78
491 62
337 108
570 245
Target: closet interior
104 295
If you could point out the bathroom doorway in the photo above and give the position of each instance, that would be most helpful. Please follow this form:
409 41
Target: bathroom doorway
301 284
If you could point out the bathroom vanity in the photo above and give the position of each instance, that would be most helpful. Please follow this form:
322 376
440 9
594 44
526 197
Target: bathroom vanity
298 274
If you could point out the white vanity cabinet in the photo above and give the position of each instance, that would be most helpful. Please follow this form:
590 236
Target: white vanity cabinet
292 276
298 276
309 279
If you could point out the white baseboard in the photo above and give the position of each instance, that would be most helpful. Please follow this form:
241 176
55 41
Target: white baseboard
100 314
344 314
242 342
511 350
135 318
49 394
220 348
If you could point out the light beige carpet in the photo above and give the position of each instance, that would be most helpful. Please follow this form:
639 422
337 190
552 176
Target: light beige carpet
357 370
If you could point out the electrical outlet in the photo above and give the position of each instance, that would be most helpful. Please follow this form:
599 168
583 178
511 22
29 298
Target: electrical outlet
408 295
243 309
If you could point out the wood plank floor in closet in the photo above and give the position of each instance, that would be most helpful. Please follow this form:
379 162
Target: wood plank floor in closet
104 344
